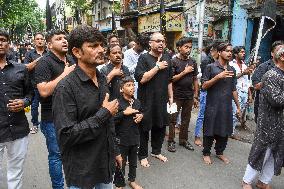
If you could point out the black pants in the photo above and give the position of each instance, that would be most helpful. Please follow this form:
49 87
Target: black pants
157 139
129 153
220 146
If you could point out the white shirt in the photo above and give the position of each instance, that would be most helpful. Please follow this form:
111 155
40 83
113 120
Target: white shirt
130 60
243 83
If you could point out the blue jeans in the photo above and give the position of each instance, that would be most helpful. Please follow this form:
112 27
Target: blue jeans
34 108
54 158
243 99
200 117
97 186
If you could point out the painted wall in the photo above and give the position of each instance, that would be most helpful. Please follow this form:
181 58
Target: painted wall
239 25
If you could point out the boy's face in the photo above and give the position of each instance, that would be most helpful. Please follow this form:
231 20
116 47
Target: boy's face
185 50
128 88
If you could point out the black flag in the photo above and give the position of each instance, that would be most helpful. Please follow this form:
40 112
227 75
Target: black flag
48 17
269 11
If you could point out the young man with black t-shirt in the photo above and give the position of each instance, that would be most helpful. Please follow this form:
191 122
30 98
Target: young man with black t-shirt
185 90
154 75
51 68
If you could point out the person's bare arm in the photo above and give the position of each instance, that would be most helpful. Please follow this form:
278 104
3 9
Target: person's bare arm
151 73
208 84
46 88
188 69
170 93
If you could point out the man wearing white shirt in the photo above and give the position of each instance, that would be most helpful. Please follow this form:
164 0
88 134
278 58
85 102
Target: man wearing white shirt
131 56
243 82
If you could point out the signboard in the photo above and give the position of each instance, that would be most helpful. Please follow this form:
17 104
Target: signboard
192 26
151 23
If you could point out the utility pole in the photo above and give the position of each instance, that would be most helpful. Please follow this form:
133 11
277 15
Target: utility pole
201 6
113 18
163 21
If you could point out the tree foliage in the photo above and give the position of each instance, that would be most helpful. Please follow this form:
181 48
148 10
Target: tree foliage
18 14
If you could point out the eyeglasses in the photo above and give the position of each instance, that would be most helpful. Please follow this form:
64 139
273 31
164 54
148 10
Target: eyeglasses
159 41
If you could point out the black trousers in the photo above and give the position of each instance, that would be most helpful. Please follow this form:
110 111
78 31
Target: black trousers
157 139
129 153
220 145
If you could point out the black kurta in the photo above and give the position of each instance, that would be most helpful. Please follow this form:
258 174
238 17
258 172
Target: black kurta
270 125
218 117
153 95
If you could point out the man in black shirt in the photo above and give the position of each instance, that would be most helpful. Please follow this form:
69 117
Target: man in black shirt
51 68
31 59
259 73
115 70
83 116
15 94
185 90
154 75
220 82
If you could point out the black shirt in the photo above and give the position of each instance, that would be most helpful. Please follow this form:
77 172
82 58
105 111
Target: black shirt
49 67
29 57
114 84
14 84
153 95
85 130
183 88
126 129
218 116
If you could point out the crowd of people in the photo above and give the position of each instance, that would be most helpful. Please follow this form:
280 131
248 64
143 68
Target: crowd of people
101 103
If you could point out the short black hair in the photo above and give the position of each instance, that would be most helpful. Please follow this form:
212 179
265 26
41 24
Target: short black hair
182 41
111 36
5 34
111 47
82 34
275 44
126 79
27 44
52 33
238 49
222 46
143 40
38 33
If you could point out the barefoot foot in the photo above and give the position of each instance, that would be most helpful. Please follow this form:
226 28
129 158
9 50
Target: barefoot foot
160 157
134 185
207 160
223 158
144 163
246 186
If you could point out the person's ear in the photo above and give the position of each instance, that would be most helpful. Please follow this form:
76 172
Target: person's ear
76 52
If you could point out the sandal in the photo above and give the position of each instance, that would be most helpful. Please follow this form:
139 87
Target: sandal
144 163
160 157
33 130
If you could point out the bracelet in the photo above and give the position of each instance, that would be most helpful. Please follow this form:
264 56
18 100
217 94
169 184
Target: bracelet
158 66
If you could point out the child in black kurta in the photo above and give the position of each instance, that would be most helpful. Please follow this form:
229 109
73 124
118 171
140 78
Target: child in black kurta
126 127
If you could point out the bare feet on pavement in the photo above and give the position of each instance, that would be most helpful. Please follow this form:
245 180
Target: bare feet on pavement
261 185
198 141
246 186
134 185
207 160
144 163
160 157
223 158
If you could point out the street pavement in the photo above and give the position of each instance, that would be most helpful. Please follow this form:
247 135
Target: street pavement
184 170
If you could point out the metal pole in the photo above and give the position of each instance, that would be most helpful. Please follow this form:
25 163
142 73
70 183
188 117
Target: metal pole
163 17
113 18
201 28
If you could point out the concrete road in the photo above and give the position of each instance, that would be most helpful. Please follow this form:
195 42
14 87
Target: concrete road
184 170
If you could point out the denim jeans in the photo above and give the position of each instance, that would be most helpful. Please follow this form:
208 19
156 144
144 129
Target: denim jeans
54 158
97 186
34 108
243 99
200 117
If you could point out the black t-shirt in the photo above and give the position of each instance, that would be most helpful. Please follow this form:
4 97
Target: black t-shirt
49 67
29 57
114 84
183 88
